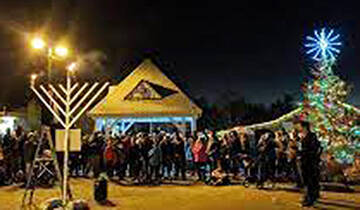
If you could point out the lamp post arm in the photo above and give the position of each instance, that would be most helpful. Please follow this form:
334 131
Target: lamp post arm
53 100
89 103
83 98
48 106
78 93
57 94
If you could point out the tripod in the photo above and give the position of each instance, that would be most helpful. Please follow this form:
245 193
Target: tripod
33 180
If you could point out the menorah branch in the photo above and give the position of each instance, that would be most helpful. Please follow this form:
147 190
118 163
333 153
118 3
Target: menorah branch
89 103
73 88
57 94
53 100
83 98
48 106
78 93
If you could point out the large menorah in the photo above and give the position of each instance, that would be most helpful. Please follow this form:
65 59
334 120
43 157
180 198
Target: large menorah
67 117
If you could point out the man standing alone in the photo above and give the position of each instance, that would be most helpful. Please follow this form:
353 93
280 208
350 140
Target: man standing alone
310 158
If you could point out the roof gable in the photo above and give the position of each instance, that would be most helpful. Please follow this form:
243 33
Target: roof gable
146 91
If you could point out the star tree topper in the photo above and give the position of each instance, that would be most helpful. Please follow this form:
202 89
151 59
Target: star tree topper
323 46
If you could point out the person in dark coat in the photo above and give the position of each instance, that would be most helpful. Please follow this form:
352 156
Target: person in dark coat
212 150
310 159
85 153
120 164
134 158
30 146
22 137
3 169
155 159
235 152
97 146
179 155
125 150
266 158
168 154
224 152
8 142
145 146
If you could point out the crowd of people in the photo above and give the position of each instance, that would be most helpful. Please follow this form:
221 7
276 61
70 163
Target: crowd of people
150 158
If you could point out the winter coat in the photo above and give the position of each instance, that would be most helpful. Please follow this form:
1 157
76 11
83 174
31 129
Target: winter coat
267 148
109 153
155 156
235 148
199 152
29 150
179 150
167 149
310 150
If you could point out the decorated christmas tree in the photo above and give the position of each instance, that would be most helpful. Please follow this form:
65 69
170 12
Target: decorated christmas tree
324 99
336 123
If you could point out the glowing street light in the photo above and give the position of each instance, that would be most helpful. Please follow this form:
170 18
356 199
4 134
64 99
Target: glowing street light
61 51
38 43
52 53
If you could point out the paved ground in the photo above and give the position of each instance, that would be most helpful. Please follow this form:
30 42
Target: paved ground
197 197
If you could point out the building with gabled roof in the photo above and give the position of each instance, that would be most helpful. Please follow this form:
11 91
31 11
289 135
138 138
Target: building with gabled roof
145 96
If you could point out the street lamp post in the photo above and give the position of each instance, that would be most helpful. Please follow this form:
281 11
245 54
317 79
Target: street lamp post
70 119
51 54
49 63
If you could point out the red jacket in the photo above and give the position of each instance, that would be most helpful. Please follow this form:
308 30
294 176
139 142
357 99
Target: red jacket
109 153
199 152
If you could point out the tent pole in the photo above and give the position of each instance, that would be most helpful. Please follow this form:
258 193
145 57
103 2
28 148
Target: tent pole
193 125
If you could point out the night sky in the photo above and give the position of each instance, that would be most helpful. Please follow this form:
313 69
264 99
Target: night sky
249 47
